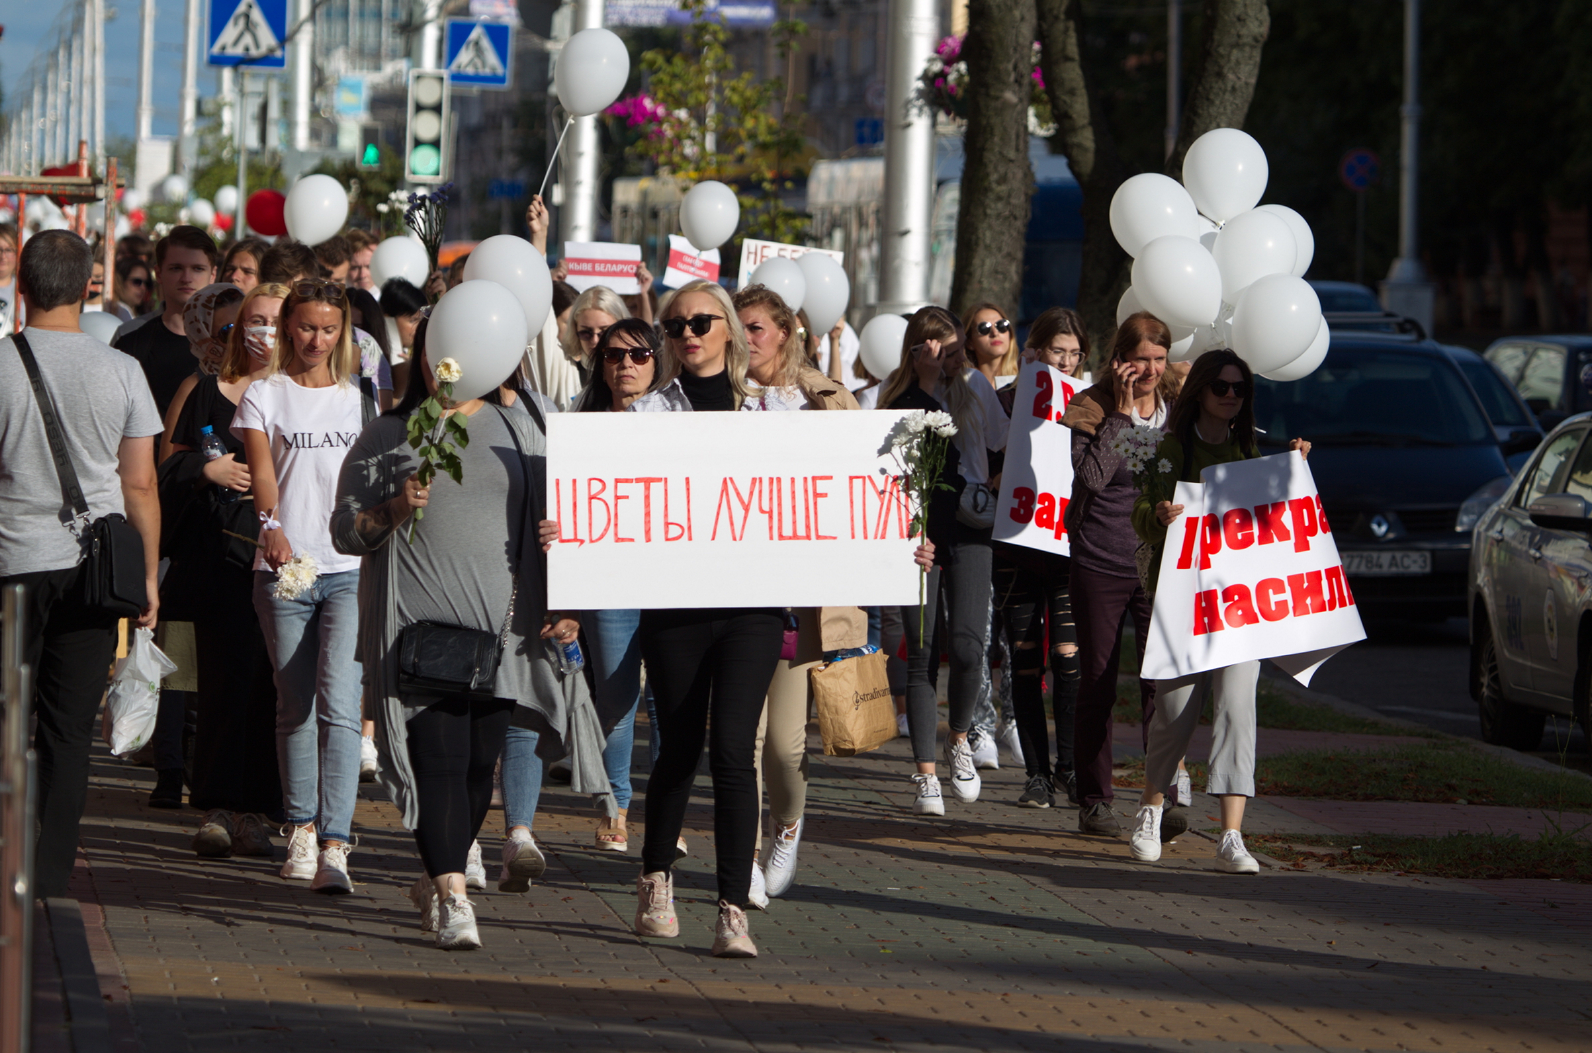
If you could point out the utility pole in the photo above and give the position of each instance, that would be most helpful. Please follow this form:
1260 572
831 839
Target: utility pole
187 148
146 72
581 159
908 159
1406 290
1174 72
303 78
99 79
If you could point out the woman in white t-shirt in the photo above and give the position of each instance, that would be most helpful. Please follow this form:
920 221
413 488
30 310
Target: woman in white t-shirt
297 425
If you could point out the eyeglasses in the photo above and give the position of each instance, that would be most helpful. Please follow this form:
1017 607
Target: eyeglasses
639 355
1220 388
986 328
225 331
319 289
138 283
699 323
1065 352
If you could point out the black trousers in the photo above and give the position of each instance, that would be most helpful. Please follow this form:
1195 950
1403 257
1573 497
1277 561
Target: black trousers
70 649
1102 604
1032 594
702 663
453 745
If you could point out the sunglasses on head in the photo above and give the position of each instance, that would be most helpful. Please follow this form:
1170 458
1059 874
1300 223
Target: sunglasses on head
675 328
639 355
986 328
1219 388
319 289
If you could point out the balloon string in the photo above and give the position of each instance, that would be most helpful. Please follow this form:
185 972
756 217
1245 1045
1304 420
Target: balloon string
554 158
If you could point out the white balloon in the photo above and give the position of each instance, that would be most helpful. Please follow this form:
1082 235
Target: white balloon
1129 305
1205 338
1304 240
100 325
400 257
1225 172
828 290
316 209
226 199
591 72
514 263
709 214
203 212
1208 232
1275 321
1250 246
480 325
1149 206
1308 362
881 344
780 274
133 199
1177 281
174 188
1183 340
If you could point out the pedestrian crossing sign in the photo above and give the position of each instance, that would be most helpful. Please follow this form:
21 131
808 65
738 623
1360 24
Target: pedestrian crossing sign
249 33
480 54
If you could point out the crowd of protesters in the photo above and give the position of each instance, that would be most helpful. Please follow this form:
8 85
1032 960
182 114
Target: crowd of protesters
284 700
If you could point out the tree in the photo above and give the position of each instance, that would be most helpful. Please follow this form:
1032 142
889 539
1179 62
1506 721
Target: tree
1221 86
997 181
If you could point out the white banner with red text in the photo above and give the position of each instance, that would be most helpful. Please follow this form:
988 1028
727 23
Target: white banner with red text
1250 571
688 264
754 252
1036 483
592 263
726 510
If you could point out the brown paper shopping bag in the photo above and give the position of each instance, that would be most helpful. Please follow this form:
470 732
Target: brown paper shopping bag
855 713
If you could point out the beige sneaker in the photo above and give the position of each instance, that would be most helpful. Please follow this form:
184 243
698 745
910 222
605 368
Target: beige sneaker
423 894
655 905
250 835
214 838
733 938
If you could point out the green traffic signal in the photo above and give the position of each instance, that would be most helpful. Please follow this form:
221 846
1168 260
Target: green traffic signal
425 160
371 157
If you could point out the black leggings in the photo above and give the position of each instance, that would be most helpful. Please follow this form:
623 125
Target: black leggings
716 662
1028 596
454 745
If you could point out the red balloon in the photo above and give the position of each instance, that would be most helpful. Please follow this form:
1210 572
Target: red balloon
222 221
264 212
135 218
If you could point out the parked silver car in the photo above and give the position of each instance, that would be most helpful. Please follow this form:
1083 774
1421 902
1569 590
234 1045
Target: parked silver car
1530 593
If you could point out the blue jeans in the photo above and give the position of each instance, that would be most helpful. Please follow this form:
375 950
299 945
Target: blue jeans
522 778
312 642
616 665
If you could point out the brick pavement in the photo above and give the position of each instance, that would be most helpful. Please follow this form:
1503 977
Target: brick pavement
994 928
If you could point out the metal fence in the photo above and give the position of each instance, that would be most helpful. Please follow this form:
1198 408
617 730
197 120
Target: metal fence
17 795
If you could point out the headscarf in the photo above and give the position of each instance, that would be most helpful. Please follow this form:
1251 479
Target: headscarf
197 315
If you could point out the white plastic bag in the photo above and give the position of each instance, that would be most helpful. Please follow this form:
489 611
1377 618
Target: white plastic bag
135 693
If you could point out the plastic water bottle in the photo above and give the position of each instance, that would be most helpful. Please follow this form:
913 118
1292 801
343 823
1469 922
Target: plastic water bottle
566 655
214 449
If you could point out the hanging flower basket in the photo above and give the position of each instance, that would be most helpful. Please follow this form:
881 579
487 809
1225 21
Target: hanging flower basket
944 82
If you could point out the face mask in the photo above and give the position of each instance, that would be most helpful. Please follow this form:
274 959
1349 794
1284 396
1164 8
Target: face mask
259 340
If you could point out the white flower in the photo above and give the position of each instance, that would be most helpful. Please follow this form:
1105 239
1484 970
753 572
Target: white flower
382 208
1164 466
295 577
917 421
941 422
448 371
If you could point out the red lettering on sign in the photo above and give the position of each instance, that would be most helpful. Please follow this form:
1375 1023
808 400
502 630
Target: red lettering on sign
1044 389
1210 540
1306 592
728 484
1271 609
618 497
819 495
1303 512
1191 532
1272 526
1207 613
1023 505
1238 528
1045 513
1338 594
1061 516
1321 516
646 504
594 497
1240 610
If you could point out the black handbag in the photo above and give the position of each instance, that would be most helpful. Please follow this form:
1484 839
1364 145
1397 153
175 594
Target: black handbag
114 571
449 659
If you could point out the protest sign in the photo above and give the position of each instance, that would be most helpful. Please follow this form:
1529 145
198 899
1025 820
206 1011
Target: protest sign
590 263
1250 571
1036 483
754 252
686 264
726 510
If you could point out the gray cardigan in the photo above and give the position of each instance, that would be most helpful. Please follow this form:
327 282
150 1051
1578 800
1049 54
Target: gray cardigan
559 708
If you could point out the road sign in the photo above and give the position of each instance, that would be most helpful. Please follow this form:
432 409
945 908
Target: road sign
1360 169
480 54
248 33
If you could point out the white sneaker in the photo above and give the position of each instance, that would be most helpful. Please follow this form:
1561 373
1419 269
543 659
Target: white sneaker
757 892
930 801
522 863
1185 789
985 755
423 894
368 765
474 869
300 865
965 780
902 731
780 872
456 929
1232 857
1145 841
331 874
1007 738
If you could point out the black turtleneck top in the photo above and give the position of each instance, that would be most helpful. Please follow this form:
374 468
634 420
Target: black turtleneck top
708 394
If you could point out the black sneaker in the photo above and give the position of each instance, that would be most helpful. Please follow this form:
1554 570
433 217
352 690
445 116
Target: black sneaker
1038 793
1174 822
168 789
1098 819
1068 781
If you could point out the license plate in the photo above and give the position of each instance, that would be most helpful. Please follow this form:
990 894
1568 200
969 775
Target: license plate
1389 563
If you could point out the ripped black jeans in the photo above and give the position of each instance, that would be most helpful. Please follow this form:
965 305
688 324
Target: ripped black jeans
1031 591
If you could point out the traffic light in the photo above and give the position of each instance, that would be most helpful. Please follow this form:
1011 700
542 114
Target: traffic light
371 146
426 137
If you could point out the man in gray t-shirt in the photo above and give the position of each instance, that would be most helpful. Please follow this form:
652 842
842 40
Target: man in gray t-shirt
109 420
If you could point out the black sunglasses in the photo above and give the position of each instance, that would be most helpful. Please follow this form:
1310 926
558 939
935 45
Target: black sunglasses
639 355
139 283
699 323
1219 388
986 328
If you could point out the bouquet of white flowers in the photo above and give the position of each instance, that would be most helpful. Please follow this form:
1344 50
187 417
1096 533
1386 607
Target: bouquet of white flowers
430 430
293 578
1138 445
919 443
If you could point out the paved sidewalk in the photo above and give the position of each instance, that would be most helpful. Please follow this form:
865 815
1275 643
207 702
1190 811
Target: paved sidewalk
995 928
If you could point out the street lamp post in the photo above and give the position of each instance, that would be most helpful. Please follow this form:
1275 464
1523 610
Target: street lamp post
581 159
1406 290
908 159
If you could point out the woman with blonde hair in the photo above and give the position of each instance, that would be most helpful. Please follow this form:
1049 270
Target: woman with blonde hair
594 310
297 424
992 344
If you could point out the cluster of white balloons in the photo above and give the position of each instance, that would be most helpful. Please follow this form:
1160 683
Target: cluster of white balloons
812 280
485 322
1220 269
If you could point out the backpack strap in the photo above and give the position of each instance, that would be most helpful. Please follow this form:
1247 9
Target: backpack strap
70 488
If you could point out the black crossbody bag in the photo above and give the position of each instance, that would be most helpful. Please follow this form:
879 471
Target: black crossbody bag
114 574
447 659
